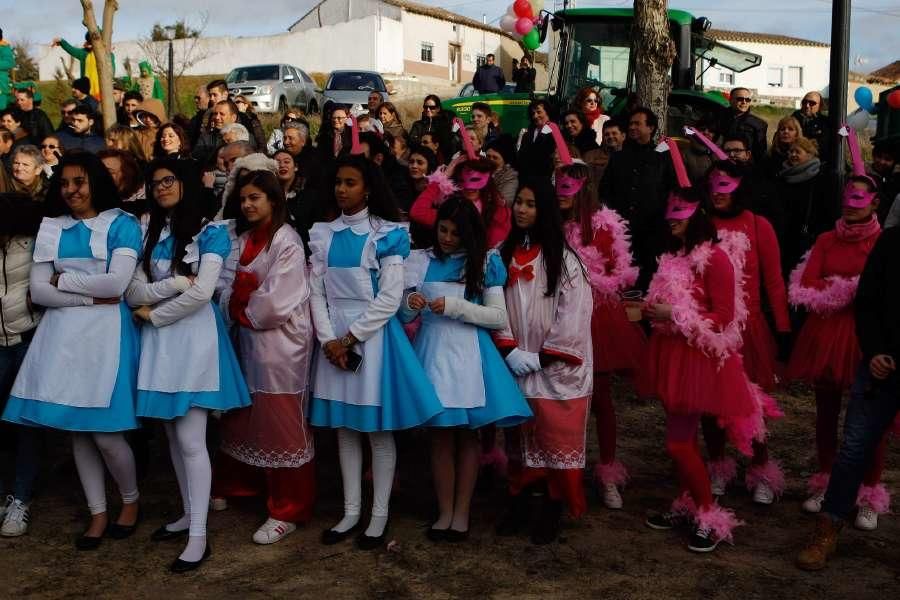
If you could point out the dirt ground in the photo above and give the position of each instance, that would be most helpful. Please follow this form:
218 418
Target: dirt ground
608 554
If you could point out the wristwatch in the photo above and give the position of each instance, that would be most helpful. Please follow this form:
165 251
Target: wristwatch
348 340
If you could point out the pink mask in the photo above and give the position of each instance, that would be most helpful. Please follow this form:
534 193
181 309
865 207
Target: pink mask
474 180
857 198
679 209
722 183
567 186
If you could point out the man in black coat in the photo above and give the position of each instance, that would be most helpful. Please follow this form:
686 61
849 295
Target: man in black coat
524 75
814 124
636 184
34 120
759 187
739 119
488 77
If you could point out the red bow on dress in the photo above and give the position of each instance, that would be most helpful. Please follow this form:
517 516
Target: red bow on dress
515 273
245 283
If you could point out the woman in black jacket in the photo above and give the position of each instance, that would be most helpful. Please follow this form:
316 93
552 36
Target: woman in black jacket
434 120
536 148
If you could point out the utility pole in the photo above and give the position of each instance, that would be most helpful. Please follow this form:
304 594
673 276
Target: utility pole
837 85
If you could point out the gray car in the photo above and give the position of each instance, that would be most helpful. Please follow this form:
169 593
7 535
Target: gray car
273 88
352 87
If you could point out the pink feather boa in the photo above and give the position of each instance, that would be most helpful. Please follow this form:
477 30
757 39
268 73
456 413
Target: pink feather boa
818 483
876 497
623 273
614 473
496 458
445 184
724 469
743 431
836 295
684 506
673 284
720 520
769 473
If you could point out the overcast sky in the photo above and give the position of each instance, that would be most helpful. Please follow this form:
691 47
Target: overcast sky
874 38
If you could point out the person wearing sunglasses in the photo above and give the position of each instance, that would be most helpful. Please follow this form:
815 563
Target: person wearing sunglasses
739 119
52 150
813 123
433 121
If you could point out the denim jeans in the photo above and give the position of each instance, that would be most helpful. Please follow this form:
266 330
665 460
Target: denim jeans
871 410
27 438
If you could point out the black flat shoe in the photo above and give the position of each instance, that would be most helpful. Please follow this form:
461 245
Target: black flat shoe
331 537
185 566
85 543
163 535
454 536
121 532
436 535
367 542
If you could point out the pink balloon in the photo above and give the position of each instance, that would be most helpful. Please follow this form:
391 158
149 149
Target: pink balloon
524 25
523 9
893 98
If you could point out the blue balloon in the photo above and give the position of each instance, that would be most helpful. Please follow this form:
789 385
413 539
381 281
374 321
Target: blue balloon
863 97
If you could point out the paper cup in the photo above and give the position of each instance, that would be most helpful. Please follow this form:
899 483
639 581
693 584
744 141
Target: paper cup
633 302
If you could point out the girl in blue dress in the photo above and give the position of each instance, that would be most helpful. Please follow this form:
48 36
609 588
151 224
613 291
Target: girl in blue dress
80 372
188 366
457 289
366 376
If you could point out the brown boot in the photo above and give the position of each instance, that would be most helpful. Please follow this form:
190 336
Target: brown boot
823 544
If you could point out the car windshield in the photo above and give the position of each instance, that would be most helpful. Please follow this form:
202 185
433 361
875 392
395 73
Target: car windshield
724 55
355 82
257 73
600 54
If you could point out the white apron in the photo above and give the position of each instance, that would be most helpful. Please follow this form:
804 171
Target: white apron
449 352
182 356
73 359
349 292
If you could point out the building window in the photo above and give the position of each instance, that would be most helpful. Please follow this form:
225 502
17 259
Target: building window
775 76
480 59
726 77
427 52
794 77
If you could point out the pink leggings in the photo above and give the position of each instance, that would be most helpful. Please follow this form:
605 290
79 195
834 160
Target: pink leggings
681 443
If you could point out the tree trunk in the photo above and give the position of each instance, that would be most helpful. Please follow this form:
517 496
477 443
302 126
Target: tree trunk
102 45
654 53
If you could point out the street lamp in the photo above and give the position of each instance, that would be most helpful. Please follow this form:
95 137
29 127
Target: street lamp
170 75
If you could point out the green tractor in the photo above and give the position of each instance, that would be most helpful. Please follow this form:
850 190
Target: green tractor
592 47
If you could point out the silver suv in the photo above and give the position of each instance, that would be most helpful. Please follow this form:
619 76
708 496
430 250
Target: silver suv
272 88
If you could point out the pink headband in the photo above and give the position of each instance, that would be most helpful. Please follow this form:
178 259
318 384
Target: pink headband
564 156
853 197
679 208
473 179
722 183
355 147
567 186
677 163
717 152
464 135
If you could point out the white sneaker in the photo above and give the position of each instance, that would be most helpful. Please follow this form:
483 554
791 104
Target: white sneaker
718 486
763 493
218 504
273 531
866 519
611 496
5 507
813 504
15 523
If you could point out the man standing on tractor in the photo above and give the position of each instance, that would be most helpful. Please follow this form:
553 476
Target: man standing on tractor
488 77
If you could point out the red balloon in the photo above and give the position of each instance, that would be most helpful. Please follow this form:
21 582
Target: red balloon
522 8
893 99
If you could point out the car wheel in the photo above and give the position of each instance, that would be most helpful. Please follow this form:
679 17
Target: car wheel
282 106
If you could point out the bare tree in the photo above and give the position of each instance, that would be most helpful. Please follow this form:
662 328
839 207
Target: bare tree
101 44
654 53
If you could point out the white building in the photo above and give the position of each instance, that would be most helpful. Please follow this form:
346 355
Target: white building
790 67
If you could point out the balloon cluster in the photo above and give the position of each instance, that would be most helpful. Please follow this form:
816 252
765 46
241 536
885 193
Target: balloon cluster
521 20
859 120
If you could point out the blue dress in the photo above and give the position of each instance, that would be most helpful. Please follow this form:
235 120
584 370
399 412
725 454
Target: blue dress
74 402
449 347
390 391
181 365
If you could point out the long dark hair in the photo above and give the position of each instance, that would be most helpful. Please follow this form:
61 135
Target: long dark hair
185 218
700 228
381 201
584 204
268 183
546 231
472 239
104 194
19 216
491 200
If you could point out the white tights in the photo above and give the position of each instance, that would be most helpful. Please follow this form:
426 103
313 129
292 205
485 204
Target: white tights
384 460
91 451
190 458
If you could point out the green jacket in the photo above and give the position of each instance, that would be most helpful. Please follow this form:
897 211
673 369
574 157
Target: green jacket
80 54
147 71
7 63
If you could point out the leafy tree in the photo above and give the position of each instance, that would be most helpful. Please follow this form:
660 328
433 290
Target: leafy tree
181 30
26 66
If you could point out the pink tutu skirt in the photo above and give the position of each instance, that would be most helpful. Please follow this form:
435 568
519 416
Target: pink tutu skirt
619 344
759 352
827 350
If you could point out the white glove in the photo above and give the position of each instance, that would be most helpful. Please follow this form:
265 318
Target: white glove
522 363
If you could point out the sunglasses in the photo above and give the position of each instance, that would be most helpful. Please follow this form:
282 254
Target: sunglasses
430 107
809 103
164 183
49 146
743 99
